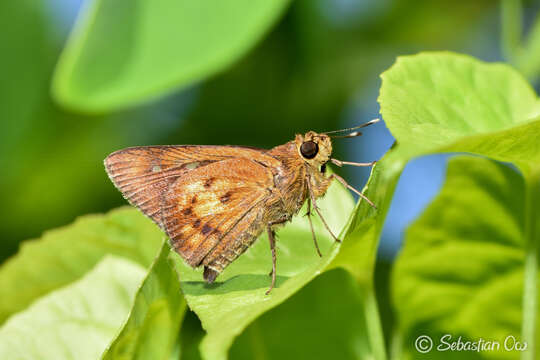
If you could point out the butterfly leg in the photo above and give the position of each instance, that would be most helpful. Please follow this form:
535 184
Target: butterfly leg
342 180
308 214
272 240
312 196
273 250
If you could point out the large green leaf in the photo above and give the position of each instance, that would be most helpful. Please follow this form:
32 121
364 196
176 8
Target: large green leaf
443 102
155 318
238 297
321 321
432 103
78 321
463 275
63 255
123 52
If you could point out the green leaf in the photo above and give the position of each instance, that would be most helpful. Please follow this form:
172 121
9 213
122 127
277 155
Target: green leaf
155 318
433 103
463 275
124 52
442 102
238 297
321 321
78 321
63 255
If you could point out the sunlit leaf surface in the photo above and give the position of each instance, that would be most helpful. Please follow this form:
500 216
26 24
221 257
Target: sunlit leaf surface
75 322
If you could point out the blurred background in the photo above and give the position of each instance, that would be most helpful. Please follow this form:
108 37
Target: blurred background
316 69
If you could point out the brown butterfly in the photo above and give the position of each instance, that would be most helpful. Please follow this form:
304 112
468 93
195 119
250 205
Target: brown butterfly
214 201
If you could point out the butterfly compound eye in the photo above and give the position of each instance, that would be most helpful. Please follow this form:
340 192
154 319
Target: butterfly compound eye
309 149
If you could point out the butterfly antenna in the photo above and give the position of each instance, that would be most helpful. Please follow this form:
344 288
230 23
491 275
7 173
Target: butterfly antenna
351 135
354 128
341 163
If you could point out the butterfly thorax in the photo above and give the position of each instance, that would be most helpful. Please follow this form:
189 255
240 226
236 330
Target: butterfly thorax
292 177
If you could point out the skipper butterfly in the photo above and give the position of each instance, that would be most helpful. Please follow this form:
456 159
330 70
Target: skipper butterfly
214 201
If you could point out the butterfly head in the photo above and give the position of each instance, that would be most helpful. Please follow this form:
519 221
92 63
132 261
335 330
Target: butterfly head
315 149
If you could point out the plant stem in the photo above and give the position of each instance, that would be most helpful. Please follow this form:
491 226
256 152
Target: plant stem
529 63
396 347
375 333
530 290
511 24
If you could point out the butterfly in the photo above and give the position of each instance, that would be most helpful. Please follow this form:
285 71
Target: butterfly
213 202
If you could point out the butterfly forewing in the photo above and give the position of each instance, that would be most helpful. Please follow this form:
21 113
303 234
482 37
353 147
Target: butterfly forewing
144 173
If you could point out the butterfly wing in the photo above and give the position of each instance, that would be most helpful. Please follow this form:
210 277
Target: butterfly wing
143 174
213 201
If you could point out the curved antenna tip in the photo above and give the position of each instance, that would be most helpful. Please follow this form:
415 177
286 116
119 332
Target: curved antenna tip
356 127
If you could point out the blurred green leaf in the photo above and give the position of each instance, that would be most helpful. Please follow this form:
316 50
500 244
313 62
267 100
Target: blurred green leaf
52 161
24 80
78 321
530 57
463 275
63 255
322 321
155 318
125 52
525 55
238 296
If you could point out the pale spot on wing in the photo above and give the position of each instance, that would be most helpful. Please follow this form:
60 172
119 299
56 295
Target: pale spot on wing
208 203
192 165
156 168
195 187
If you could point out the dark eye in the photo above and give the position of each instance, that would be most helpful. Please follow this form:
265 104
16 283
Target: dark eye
309 149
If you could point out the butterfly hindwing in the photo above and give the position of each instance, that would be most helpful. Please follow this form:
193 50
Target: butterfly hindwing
209 202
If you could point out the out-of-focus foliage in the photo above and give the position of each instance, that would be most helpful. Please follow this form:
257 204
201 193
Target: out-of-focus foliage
63 255
474 262
52 159
521 50
124 52
75 322
151 332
